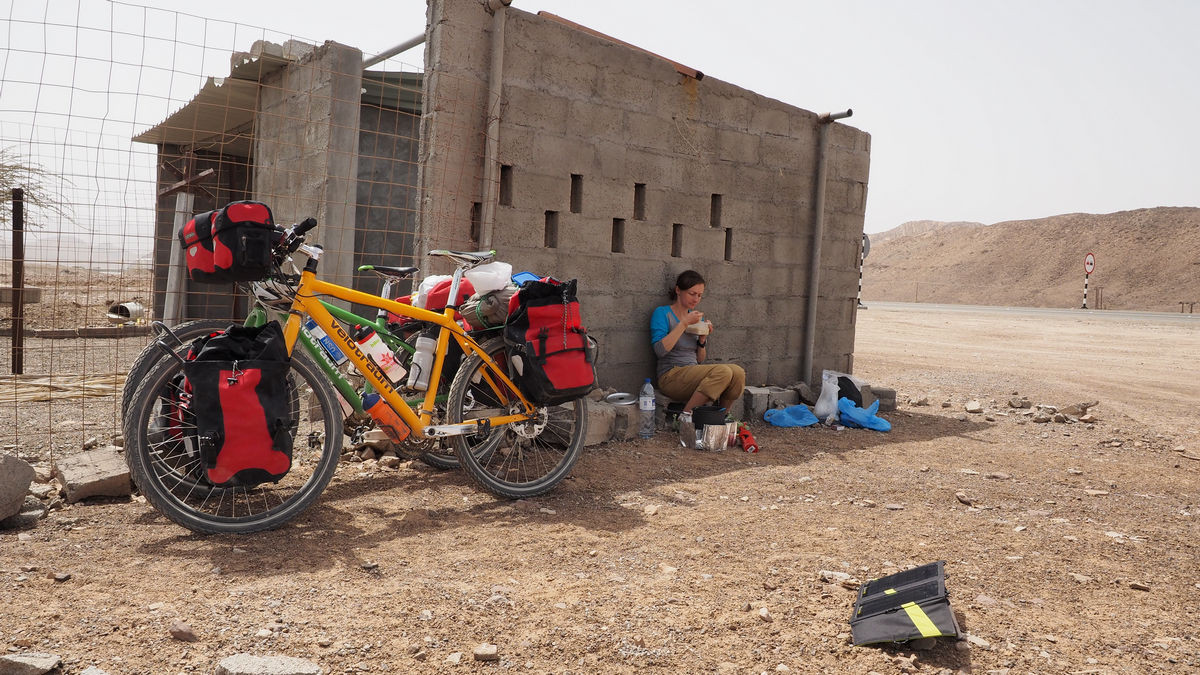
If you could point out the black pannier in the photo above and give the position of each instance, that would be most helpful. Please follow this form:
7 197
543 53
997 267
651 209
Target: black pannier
242 405
230 244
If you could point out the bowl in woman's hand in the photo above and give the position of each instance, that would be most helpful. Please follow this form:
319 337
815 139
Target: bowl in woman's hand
698 328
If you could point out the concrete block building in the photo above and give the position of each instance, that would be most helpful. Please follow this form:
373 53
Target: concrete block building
573 155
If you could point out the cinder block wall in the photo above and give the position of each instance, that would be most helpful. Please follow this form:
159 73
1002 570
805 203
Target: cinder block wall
622 172
306 149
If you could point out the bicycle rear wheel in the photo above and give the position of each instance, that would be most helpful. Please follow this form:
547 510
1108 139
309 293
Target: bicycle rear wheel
161 451
517 460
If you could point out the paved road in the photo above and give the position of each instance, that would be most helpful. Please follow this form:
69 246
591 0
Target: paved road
1090 314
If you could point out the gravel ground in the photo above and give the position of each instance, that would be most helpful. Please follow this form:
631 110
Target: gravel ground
1069 547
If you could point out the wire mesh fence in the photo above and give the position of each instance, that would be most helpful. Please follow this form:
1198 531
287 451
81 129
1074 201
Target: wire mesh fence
118 123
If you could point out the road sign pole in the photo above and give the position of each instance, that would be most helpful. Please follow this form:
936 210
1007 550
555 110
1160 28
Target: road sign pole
1085 284
1089 266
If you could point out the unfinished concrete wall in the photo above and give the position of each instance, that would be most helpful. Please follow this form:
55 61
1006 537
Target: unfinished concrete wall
306 149
620 171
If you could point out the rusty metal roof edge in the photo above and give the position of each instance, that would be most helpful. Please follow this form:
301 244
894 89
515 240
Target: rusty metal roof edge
679 67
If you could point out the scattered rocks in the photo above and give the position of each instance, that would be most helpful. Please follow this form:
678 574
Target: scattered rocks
1019 402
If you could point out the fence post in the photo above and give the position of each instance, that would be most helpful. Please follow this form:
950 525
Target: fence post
18 272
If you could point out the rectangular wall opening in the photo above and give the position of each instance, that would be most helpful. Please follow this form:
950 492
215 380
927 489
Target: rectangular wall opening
476 220
639 201
506 187
714 212
550 237
728 243
576 193
618 235
677 241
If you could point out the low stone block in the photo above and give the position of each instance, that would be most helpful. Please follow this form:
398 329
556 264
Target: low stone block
29 663
627 420
782 398
601 419
758 400
886 396
96 473
15 477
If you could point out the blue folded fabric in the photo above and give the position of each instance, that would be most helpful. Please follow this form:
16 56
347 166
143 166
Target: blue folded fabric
792 416
854 416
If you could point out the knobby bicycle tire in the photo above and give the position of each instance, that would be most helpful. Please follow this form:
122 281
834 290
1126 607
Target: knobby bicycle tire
170 474
515 461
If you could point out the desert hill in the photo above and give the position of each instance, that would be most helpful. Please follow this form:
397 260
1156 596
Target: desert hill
1147 259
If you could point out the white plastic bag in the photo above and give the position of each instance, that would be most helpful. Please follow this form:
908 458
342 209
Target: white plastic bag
826 408
427 285
490 277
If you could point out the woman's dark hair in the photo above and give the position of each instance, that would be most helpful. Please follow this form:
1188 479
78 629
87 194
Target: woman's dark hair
684 281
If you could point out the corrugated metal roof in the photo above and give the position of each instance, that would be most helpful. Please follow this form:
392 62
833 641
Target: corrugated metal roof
220 117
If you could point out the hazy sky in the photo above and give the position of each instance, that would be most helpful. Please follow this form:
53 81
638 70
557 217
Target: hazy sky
978 110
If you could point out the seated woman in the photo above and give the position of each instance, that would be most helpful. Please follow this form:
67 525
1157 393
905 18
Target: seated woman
680 337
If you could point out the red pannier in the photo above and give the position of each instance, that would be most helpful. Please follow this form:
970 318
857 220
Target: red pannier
238 380
553 359
229 245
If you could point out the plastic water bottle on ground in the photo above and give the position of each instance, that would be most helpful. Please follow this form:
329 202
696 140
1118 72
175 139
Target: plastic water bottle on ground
646 408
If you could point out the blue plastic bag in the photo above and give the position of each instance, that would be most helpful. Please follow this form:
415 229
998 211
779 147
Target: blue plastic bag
854 416
792 416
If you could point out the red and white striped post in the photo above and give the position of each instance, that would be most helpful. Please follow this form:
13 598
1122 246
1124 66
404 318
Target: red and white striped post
1089 265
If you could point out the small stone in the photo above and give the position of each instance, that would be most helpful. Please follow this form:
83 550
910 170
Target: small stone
263 632
985 600
487 652
183 632
962 497
62 576
667 569
978 642
1139 586
1081 578
973 406
894 507
650 509
1095 493
946 404
996 475
454 658
923 644
765 614
33 663
549 512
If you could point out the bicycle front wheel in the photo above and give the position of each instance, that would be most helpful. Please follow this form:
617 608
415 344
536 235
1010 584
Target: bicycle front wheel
161 449
518 460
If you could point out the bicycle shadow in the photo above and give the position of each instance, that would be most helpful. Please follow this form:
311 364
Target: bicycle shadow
362 516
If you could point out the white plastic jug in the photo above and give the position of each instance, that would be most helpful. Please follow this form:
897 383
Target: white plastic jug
490 277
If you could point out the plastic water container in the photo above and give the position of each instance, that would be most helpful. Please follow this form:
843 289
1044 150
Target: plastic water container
646 410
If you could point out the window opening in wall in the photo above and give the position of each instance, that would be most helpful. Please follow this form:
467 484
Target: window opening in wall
729 243
639 201
550 238
677 241
576 193
714 212
505 185
476 219
618 235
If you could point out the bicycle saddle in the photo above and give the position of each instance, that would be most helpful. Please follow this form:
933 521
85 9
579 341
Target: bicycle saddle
389 271
464 257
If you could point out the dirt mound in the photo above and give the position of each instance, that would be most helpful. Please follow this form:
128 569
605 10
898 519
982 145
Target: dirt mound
1145 260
